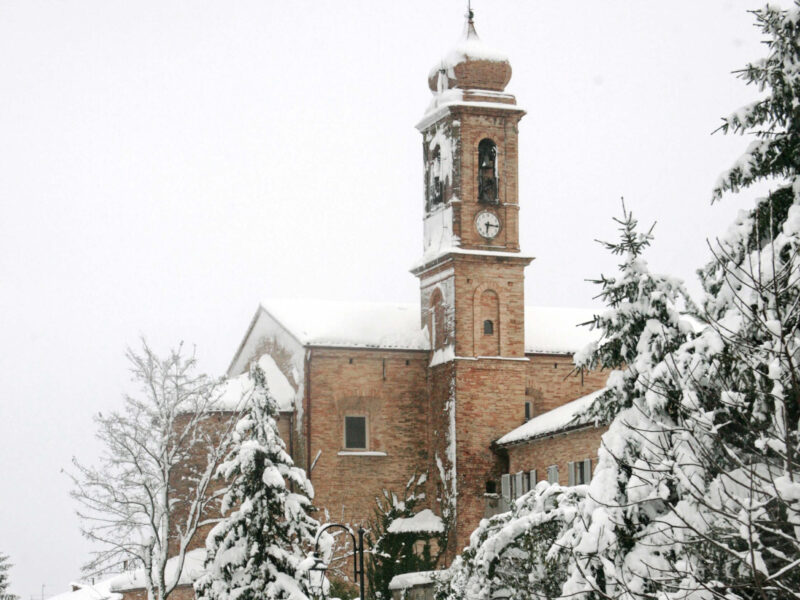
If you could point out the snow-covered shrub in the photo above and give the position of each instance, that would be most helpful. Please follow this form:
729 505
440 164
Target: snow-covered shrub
512 554
258 551
402 538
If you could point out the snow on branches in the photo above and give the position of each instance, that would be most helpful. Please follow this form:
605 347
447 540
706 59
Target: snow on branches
153 487
512 555
259 550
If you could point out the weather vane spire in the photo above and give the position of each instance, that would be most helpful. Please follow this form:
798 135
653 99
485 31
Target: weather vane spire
470 13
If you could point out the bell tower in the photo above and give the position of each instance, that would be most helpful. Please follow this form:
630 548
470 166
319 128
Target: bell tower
471 275
471 204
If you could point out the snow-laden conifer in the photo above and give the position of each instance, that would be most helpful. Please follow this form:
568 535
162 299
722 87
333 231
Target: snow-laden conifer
258 550
5 566
617 544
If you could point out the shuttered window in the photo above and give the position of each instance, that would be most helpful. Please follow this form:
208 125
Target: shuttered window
580 472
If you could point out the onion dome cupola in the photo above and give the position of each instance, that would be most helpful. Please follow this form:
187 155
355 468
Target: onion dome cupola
471 65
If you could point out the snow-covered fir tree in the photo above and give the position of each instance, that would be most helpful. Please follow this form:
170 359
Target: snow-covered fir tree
258 551
5 567
616 545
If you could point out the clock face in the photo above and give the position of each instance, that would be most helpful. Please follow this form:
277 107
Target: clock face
487 224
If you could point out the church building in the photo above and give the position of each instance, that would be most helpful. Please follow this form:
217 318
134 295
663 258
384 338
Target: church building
470 385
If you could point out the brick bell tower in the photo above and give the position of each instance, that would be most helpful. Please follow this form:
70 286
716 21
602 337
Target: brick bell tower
471 276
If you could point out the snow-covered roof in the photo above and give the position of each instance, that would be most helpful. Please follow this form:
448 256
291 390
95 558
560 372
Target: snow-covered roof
409 580
548 330
468 47
237 387
425 521
350 324
556 330
90 591
192 569
552 421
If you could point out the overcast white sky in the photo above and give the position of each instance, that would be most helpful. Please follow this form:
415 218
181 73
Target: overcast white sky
164 165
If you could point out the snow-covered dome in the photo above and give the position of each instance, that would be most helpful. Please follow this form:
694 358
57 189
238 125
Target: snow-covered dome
471 64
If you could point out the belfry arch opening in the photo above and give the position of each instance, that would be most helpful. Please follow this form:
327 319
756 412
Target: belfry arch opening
435 186
488 180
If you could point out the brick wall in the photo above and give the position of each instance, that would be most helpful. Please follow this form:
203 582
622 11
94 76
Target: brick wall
389 388
490 396
473 276
551 382
181 481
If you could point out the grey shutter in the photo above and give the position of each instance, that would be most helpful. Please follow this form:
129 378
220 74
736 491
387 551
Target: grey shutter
505 486
534 479
587 470
571 473
552 474
526 483
518 490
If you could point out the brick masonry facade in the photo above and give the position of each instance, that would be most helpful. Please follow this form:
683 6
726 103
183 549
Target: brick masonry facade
558 450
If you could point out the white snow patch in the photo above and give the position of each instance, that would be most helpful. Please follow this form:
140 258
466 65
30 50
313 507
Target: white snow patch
443 355
438 231
90 591
552 421
193 567
425 521
360 453
408 580
237 388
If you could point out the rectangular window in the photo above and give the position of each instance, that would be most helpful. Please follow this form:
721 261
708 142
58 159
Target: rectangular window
527 411
552 474
355 433
580 472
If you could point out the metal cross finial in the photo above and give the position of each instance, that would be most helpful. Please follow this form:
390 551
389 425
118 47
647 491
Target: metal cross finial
470 13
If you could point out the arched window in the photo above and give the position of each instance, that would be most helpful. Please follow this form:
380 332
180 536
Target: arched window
435 187
488 327
487 172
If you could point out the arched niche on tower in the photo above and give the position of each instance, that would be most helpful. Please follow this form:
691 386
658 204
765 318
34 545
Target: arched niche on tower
437 320
487 321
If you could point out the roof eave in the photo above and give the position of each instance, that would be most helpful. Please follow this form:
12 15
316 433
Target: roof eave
548 434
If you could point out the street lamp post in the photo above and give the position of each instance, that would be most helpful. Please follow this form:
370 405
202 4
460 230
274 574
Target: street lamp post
358 557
